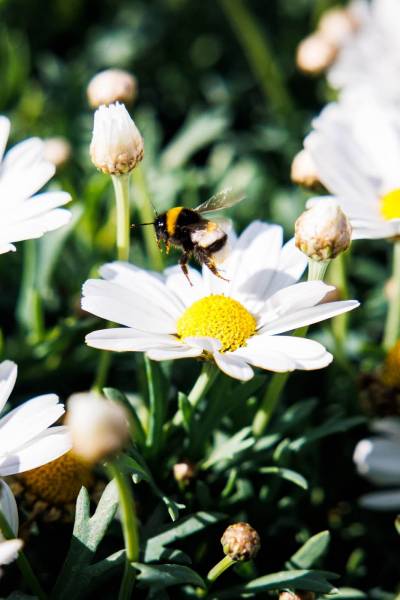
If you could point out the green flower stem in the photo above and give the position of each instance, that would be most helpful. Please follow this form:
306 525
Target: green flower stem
338 278
205 380
269 402
121 188
259 56
392 326
219 568
29 305
22 562
129 528
317 269
146 214
103 366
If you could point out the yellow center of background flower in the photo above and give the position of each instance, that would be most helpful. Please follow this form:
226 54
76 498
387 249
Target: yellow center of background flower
60 481
390 205
218 317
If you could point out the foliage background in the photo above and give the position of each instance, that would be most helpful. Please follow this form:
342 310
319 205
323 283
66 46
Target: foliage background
207 122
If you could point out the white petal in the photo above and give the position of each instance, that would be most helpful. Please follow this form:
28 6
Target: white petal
292 264
9 551
388 500
8 376
8 507
378 459
231 365
308 316
125 339
171 353
54 442
179 285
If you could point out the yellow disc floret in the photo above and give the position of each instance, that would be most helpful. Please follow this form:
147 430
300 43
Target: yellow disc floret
218 317
390 205
60 481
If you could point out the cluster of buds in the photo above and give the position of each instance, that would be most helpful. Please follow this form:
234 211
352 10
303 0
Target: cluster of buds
99 427
319 50
323 231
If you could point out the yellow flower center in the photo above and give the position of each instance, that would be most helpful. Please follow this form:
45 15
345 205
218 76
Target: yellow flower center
390 205
218 317
60 481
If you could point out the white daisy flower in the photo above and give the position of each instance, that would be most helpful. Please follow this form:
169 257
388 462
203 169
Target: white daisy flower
356 150
378 460
26 439
23 171
237 323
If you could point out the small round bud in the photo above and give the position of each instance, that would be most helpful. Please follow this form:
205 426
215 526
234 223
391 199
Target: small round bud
184 471
111 85
117 146
57 150
240 542
337 25
299 595
99 427
323 231
303 170
315 54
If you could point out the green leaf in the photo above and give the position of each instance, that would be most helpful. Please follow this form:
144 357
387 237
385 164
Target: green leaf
138 431
186 410
347 594
87 535
157 406
329 428
312 581
287 474
156 545
295 415
162 576
397 524
310 552
230 448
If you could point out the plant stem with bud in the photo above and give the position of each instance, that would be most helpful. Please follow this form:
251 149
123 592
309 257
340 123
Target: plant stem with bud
121 188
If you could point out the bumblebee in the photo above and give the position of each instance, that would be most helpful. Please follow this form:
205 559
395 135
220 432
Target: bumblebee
196 236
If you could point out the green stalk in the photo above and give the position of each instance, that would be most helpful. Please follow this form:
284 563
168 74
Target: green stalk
29 305
392 326
22 562
219 568
129 528
121 188
317 269
205 380
146 214
338 278
103 366
259 56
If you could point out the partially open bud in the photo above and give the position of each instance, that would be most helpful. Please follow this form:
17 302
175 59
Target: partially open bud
299 595
112 85
323 231
337 25
303 170
184 471
117 146
57 150
99 427
315 54
240 542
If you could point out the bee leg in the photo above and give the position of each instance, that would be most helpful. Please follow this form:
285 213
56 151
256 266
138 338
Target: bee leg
183 264
210 264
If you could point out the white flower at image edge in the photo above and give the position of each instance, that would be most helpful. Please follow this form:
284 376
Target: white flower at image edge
378 460
237 322
26 439
9 548
23 172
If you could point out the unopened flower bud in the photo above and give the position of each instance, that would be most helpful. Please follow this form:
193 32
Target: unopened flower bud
112 85
184 471
117 146
303 170
99 427
315 54
240 542
337 25
299 595
323 231
57 150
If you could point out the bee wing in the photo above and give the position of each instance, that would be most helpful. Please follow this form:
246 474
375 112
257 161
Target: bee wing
223 199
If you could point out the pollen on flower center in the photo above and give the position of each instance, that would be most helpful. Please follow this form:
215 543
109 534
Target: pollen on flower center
218 317
59 481
390 205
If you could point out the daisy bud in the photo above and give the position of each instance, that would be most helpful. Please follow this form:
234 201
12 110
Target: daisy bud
99 427
299 595
315 54
57 150
112 85
117 146
337 25
184 471
323 231
240 542
303 170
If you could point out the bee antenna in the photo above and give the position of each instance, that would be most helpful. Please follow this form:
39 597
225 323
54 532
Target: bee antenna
142 224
